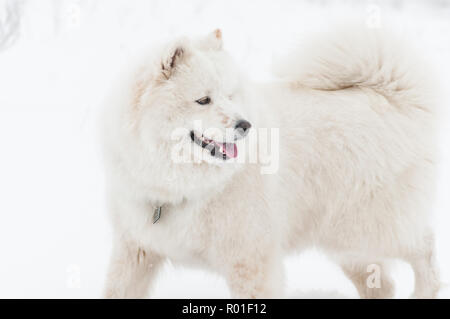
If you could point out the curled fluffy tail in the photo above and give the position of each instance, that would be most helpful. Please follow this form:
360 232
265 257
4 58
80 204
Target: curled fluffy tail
365 58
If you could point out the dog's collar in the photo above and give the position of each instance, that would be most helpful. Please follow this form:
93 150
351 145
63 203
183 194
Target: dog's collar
158 207
157 214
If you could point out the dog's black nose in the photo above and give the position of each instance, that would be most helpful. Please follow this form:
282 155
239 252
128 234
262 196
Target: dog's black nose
242 126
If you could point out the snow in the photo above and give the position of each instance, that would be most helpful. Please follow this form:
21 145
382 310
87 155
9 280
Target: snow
54 234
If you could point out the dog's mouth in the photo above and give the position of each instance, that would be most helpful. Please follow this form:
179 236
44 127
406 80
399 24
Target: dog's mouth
220 150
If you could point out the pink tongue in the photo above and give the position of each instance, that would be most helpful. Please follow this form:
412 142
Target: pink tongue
230 149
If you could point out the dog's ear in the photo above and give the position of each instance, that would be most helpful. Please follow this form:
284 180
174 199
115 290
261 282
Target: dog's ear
172 59
213 41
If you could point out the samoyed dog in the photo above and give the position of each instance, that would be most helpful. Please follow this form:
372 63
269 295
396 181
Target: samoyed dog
206 167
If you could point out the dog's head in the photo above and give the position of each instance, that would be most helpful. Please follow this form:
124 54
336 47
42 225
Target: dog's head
189 99
195 99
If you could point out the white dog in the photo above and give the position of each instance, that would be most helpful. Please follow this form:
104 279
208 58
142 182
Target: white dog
349 166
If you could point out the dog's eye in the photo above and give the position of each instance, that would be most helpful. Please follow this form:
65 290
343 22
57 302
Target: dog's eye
204 100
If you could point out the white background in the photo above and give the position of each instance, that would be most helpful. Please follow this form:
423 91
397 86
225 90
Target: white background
54 234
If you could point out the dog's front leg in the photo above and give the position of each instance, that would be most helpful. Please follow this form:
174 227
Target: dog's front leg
131 271
256 277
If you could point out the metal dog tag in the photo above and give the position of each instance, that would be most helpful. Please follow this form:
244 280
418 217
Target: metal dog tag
157 214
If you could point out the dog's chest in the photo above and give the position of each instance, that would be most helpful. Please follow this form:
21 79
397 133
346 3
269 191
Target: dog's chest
178 232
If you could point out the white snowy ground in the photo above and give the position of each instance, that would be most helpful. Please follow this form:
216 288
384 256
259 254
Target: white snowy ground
54 235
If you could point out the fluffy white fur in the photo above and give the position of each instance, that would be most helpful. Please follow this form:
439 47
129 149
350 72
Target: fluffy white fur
355 176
